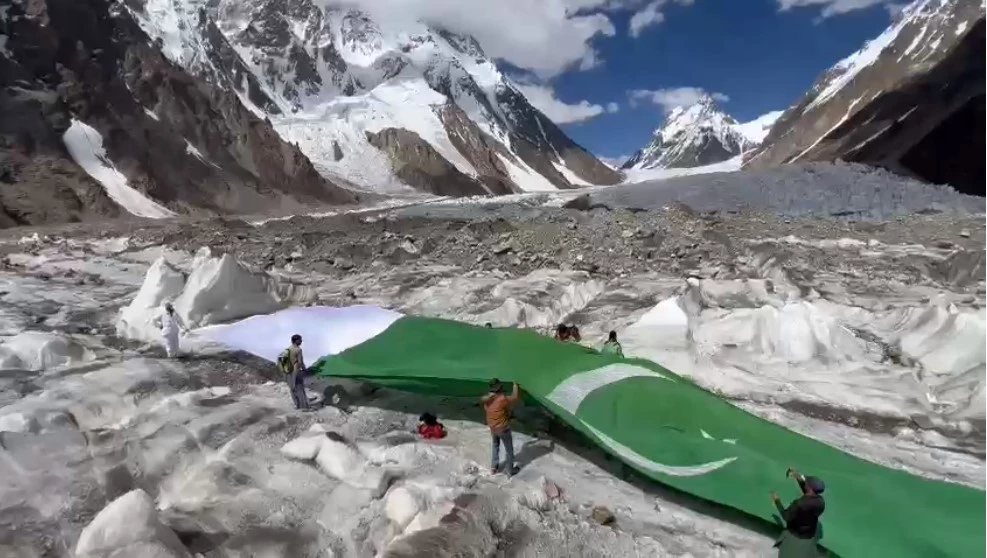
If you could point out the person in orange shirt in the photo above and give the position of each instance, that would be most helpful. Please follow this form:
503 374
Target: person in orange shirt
498 409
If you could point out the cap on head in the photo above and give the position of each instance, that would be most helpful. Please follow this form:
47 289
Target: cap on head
496 386
613 335
169 307
296 339
815 484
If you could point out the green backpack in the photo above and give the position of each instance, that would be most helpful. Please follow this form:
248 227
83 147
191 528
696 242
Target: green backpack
284 362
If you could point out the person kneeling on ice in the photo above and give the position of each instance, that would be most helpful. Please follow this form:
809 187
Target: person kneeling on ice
291 363
430 428
802 528
498 410
574 334
170 324
562 332
612 346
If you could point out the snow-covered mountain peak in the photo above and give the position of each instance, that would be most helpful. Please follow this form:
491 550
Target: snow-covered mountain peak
331 78
703 115
695 135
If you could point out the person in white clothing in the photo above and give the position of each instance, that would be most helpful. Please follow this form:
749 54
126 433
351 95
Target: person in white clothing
171 325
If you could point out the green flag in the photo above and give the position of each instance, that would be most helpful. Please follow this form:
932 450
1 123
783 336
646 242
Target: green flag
662 425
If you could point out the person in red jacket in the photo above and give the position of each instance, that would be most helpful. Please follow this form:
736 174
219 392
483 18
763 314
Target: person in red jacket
430 428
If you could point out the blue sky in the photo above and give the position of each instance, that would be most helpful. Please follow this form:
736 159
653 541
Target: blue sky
761 58
579 61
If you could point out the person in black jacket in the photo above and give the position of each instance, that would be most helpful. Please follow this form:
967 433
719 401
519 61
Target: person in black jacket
801 517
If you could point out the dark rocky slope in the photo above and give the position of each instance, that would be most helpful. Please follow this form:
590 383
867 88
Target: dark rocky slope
942 139
916 109
88 60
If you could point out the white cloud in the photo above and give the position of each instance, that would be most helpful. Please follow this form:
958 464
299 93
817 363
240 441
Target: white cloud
543 98
650 15
645 18
894 9
546 37
829 8
672 97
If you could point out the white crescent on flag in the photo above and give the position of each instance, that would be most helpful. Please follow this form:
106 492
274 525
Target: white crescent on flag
571 392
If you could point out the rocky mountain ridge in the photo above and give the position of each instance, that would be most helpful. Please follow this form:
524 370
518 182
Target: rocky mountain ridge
328 75
93 117
911 100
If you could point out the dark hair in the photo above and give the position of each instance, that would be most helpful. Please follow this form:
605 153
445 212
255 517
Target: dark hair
429 419
488 324
574 332
496 386
296 339
613 335
562 329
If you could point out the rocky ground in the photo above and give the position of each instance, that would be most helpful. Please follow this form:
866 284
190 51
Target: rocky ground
526 262
622 261
600 241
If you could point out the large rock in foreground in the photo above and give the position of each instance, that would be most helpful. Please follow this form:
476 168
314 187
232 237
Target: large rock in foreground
38 350
129 526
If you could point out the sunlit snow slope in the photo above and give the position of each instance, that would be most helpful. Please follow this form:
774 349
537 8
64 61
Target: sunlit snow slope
85 145
756 130
330 78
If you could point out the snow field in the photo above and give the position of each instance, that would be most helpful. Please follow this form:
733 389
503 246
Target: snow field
634 176
756 130
85 145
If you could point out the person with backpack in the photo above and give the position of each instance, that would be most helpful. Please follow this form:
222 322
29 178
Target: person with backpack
498 410
612 346
292 366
